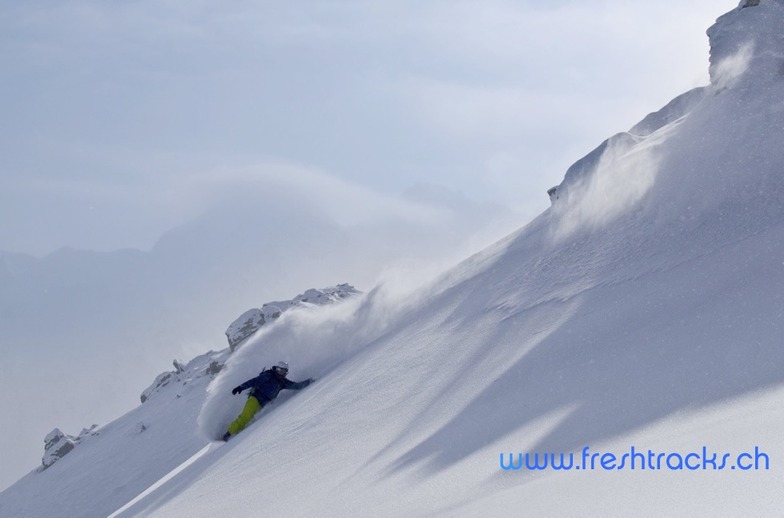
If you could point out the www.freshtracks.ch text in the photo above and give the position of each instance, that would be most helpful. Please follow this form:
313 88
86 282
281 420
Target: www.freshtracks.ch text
587 460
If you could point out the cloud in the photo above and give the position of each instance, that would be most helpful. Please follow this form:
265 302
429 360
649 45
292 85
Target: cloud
346 203
382 94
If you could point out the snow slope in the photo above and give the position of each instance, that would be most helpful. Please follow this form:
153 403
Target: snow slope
81 319
124 458
643 309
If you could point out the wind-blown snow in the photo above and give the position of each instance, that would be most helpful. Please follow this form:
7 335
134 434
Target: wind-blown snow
643 309
313 340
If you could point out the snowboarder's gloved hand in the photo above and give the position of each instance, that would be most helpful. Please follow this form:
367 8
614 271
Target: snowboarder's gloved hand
236 390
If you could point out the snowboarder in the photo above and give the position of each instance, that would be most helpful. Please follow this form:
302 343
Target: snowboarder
264 388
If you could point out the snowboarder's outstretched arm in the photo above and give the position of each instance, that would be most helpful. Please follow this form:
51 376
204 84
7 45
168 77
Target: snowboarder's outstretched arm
296 385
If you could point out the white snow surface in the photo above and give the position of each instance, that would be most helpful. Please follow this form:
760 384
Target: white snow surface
643 309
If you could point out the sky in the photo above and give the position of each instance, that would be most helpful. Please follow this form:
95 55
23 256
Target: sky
121 120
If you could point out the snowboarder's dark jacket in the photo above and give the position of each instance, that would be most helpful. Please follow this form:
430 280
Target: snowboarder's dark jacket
265 386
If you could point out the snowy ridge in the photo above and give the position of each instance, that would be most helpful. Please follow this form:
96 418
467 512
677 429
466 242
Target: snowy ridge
621 143
643 309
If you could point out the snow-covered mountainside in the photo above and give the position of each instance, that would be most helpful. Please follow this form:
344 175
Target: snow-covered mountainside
199 370
82 319
635 326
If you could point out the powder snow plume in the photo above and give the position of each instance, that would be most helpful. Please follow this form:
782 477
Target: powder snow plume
313 340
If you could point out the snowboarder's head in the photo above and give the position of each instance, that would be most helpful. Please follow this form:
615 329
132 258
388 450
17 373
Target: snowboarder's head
282 368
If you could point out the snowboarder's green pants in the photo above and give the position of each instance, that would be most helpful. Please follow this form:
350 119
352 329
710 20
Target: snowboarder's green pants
252 406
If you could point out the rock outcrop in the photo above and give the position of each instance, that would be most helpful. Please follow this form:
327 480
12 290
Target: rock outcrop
58 444
208 364
253 319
